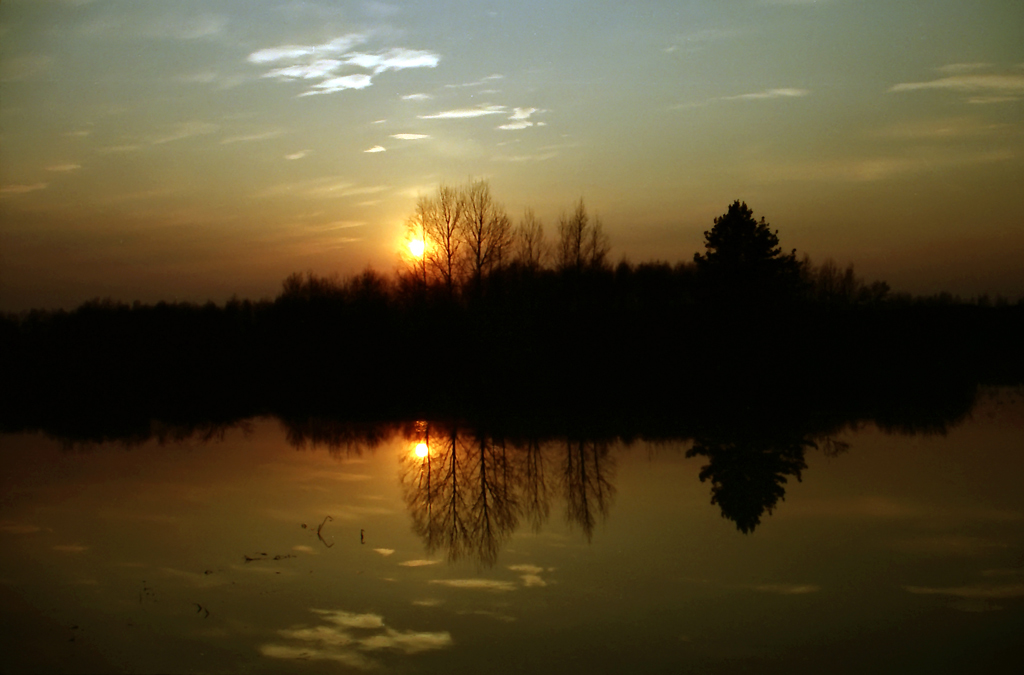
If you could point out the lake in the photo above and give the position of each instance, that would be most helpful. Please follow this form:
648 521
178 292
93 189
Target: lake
424 547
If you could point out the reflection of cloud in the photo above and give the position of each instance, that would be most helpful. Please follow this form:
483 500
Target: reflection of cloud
384 551
70 548
64 167
21 189
347 638
972 592
429 602
527 569
531 580
787 589
464 113
11 527
418 563
477 584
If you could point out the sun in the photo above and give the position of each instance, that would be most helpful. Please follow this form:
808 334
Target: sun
416 248
422 450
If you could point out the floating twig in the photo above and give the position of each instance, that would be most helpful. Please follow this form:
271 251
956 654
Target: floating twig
320 536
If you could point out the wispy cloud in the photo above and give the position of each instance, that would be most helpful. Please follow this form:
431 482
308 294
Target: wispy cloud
327 62
64 168
410 137
768 94
376 148
351 639
476 83
297 155
765 95
418 563
417 97
1012 83
465 113
185 130
960 68
248 138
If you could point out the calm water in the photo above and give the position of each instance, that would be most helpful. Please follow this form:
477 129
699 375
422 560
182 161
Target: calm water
249 553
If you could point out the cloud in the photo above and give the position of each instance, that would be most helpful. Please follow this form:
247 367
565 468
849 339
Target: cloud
297 155
409 137
11 527
520 119
336 84
465 113
477 584
349 639
327 61
246 138
63 168
959 68
21 189
1005 86
376 148
394 59
767 94
417 97
185 130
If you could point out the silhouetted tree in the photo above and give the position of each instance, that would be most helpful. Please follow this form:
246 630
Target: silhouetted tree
440 220
531 250
486 229
743 261
582 244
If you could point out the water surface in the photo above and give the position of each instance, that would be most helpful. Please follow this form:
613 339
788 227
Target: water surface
256 550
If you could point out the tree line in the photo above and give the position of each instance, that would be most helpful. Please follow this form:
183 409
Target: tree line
494 316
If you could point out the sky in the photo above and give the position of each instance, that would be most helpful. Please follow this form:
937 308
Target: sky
194 151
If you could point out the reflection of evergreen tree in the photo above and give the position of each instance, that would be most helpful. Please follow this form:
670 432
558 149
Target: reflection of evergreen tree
748 475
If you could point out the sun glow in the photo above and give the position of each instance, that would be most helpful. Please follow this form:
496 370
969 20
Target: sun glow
422 450
416 248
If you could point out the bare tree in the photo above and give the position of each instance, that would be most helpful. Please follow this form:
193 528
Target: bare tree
530 248
581 244
486 229
439 220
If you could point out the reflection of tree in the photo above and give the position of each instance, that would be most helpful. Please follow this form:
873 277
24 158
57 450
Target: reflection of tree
469 493
586 471
463 495
748 474
535 495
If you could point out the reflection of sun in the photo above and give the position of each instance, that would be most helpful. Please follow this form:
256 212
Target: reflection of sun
422 450
416 248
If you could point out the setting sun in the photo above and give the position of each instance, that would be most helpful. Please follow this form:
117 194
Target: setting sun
416 248
422 450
